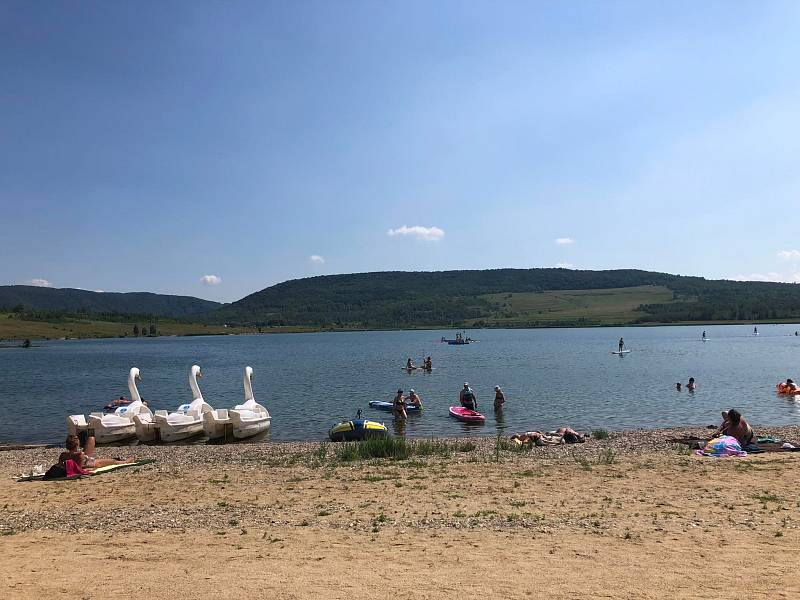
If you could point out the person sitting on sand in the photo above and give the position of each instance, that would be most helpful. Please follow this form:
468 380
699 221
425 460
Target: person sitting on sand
399 407
733 424
499 398
678 386
414 399
85 458
467 398
691 386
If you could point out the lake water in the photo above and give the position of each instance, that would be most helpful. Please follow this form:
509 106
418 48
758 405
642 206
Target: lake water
551 377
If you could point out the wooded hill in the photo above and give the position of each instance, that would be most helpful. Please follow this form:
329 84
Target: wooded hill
508 298
27 298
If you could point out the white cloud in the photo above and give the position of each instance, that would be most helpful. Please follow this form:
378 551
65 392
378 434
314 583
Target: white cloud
317 259
428 234
564 241
210 280
39 282
100 291
564 265
771 276
789 254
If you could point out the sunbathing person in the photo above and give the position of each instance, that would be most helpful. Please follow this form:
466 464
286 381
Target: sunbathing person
85 458
562 435
733 424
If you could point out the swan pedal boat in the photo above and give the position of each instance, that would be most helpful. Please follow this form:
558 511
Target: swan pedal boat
242 421
114 427
186 422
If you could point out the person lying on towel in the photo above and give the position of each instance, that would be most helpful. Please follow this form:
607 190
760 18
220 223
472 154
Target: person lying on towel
85 457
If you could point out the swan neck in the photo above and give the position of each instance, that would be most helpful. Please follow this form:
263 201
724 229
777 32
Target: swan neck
248 387
193 384
134 391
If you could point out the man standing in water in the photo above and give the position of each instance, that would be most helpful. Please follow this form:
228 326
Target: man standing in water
621 344
467 398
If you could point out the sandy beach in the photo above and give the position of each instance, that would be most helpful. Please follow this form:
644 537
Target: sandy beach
632 516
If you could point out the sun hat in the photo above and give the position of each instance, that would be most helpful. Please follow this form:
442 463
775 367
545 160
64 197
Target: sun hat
497 387
466 384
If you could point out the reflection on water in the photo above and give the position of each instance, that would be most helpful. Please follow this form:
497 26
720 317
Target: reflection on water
551 378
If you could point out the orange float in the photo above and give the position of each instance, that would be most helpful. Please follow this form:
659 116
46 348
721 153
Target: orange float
783 388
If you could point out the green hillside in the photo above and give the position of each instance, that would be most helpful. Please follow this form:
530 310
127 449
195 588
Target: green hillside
508 298
68 300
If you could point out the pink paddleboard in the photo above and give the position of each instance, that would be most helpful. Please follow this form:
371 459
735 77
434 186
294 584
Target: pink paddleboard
466 415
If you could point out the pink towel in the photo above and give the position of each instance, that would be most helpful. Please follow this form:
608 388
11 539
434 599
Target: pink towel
74 470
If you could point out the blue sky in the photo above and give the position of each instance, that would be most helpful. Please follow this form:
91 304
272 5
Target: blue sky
147 145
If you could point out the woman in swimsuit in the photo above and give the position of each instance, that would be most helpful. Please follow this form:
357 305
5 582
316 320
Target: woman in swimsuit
400 406
85 458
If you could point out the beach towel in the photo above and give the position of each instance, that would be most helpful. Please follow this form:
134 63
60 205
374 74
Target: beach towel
722 447
36 476
74 469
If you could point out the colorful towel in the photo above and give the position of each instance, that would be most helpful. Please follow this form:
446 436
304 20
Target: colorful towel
74 469
721 447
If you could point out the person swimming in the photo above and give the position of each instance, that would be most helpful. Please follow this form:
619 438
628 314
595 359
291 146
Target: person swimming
691 386
414 399
678 386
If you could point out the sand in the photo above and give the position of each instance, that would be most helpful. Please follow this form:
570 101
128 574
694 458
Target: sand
608 519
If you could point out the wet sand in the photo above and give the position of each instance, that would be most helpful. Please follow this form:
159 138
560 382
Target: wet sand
634 516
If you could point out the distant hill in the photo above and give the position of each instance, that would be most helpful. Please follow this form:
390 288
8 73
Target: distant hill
70 300
508 298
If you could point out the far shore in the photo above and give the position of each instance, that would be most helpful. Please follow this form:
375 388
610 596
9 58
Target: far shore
195 330
617 518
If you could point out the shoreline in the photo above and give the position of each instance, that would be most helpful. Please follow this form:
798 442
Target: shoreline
631 434
616 518
305 330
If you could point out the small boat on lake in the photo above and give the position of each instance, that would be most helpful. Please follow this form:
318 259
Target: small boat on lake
357 430
466 415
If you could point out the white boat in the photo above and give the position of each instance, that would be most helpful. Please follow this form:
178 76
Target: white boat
250 418
184 423
116 427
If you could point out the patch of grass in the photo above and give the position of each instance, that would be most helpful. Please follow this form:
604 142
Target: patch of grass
518 503
583 462
431 448
376 478
388 447
600 434
324 513
767 497
607 457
